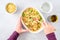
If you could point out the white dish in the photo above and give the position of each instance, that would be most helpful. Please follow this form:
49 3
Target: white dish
46 7
25 25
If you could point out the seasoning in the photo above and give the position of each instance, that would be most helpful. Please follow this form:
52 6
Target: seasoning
53 18
10 8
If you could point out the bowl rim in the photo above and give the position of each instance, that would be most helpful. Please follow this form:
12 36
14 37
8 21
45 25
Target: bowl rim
50 4
15 6
25 25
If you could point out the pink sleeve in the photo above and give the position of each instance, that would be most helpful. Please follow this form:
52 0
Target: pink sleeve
51 36
14 36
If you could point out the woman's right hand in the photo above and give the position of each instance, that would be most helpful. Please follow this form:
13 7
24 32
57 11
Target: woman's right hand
48 28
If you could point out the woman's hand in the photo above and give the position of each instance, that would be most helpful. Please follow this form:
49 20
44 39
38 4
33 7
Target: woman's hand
48 28
19 28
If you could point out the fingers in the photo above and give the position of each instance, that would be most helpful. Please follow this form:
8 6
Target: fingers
19 24
52 27
20 18
49 25
45 24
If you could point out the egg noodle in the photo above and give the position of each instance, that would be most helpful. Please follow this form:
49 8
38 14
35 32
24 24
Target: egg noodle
32 19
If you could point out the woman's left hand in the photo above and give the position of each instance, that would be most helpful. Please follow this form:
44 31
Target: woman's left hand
19 28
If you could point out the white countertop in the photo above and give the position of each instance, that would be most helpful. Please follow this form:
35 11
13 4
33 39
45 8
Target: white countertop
8 22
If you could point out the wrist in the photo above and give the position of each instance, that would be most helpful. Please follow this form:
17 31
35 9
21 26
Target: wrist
48 32
18 31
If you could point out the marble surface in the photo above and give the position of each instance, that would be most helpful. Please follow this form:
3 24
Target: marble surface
8 22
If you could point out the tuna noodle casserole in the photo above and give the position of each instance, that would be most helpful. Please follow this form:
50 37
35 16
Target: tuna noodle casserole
32 19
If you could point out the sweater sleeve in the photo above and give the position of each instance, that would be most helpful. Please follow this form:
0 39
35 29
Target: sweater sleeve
14 36
51 36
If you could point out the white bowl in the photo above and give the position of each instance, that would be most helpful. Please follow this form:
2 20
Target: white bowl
25 25
46 3
12 12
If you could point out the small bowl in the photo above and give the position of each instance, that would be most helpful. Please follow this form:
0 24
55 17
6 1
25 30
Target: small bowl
46 7
53 18
11 6
26 26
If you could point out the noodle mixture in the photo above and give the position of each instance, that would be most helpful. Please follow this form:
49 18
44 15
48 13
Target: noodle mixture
32 19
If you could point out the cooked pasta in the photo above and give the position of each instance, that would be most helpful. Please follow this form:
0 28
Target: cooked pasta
32 19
